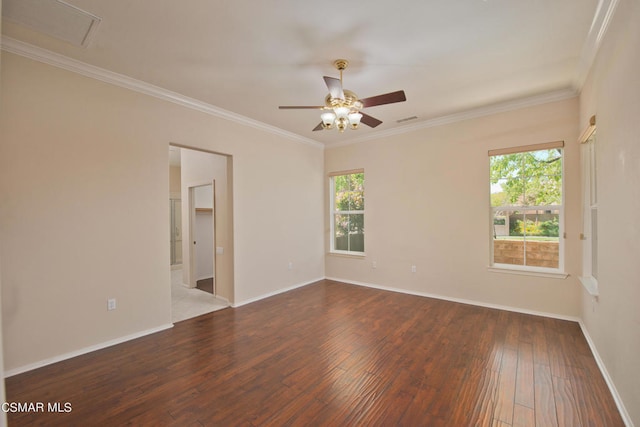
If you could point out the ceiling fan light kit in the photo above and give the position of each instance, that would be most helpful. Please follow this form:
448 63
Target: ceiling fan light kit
342 107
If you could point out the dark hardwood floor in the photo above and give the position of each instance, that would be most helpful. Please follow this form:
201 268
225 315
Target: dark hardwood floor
338 355
205 285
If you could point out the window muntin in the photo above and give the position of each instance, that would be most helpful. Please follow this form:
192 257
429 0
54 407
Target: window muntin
526 209
347 212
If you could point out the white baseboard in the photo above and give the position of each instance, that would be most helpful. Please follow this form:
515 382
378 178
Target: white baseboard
270 294
85 350
459 300
603 369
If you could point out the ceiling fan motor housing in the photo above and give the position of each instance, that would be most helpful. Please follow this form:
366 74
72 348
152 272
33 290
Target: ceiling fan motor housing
342 107
350 101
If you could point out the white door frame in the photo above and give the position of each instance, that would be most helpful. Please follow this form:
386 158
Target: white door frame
192 240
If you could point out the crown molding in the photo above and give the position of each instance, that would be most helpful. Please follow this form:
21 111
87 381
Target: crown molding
599 26
39 54
602 18
545 98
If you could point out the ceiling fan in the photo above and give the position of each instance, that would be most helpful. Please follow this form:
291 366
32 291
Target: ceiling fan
342 107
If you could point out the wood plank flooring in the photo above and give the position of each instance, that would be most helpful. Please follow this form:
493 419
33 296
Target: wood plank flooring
205 285
337 355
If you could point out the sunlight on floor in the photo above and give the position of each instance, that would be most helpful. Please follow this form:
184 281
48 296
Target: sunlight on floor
187 303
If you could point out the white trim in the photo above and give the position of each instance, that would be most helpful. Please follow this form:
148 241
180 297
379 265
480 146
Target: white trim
589 195
458 300
84 350
545 98
590 284
527 272
51 58
599 26
603 369
276 292
347 254
519 149
17 47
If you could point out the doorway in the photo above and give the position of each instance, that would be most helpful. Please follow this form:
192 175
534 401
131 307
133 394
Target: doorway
203 257
205 173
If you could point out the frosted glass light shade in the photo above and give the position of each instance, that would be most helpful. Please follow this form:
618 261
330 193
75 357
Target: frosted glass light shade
328 119
341 112
354 120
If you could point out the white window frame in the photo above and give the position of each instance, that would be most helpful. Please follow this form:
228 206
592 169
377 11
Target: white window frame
558 272
333 213
589 233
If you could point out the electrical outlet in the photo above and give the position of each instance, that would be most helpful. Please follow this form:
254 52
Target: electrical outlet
290 265
374 264
111 304
413 269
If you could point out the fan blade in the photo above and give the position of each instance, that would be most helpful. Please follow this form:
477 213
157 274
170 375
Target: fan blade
300 107
387 98
335 87
319 127
370 121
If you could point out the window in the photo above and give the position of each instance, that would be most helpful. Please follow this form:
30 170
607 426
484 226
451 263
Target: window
526 207
589 234
593 206
347 212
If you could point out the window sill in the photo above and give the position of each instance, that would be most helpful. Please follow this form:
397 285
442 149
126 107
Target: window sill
355 255
591 285
525 272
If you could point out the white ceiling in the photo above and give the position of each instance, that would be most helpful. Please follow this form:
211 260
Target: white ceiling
249 56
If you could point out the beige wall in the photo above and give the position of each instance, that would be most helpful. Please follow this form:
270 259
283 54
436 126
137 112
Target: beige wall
83 179
427 204
612 93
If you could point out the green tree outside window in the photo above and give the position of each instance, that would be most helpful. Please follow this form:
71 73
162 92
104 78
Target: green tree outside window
349 212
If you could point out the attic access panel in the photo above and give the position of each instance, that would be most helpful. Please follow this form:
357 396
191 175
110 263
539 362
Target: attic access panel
54 18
